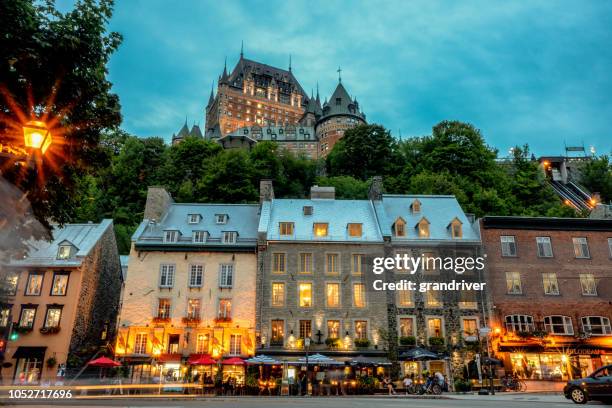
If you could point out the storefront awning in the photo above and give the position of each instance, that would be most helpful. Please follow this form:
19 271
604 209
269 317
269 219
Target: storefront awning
30 352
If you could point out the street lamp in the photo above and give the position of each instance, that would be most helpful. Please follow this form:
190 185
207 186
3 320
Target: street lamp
36 135
307 345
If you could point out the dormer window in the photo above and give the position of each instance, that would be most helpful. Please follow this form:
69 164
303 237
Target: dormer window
455 227
415 207
285 228
64 251
229 237
338 101
221 218
400 227
200 236
320 229
171 236
193 218
423 228
355 230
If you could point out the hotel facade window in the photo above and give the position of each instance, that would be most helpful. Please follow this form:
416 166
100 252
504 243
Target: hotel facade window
406 326
470 327
513 283
333 329
63 251
434 327
278 263
170 236
235 345
10 284
285 228
305 294
467 300
355 230
193 308
229 237
333 294
519 323
332 263
225 309
549 281
581 247
226 275
199 236
433 298
544 247
588 284
405 298
163 309
196 275
305 329
140 343
166 275
305 263
358 266
596 325
508 245
5 314
34 284
320 229
278 332
53 317
359 299
400 228
361 329
278 294
423 228
193 218
202 344
560 325
456 229
28 314
221 218
59 285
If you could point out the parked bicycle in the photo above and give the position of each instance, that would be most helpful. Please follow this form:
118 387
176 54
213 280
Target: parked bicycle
513 383
430 387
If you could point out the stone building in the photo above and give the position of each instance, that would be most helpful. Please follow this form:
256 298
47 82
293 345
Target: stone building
190 287
185 132
62 302
432 228
550 282
314 277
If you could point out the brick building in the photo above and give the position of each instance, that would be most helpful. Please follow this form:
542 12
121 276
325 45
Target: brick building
550 282
62 302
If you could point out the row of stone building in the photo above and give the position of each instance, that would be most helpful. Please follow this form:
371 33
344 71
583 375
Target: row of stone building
240 280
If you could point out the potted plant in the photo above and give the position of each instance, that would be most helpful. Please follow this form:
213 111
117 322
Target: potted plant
362 343
332 342
51 362
22 329
436 341
407 340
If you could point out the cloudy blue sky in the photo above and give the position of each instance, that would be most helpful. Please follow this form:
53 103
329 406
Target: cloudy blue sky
537 72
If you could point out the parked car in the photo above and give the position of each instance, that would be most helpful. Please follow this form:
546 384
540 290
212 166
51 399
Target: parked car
597 386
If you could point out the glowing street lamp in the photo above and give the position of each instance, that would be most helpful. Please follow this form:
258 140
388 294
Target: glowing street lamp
36 135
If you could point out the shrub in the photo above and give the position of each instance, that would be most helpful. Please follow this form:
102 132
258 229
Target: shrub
407 340
462 385
332 342
362 343
436 341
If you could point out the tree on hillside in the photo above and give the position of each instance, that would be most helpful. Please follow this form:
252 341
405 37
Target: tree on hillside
53 67
346 187
363 152
597 177
228 178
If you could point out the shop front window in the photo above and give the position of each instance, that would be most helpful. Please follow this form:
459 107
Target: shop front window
28 370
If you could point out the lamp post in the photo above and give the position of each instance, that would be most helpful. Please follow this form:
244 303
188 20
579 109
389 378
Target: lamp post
307 345
36 135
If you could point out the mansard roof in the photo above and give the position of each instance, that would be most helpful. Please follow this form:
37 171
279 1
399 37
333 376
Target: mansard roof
341 103
267 74
289 133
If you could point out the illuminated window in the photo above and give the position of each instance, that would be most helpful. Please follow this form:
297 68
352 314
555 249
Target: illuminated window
359 295
140 343
305 329
305 263
415 207
355 230
549 280
333 263
34 284
560 325
163 309
10 284
581 247
63 252
5 313
225 309
278 294
333 294
28 313
53 317
285 228
235 348
361 329
278 332
544 247
470 327
193 308
333 329
405 298
434 327
278 263
202 343
423 228
588 284
406 326
358 264
508 245
513 283
305 294
320 229
456 228
60 284
433 298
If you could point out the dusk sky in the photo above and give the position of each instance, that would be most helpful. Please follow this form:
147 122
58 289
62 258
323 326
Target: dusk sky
521 71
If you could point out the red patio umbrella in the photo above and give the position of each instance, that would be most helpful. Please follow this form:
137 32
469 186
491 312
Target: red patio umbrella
233 361
104 362
203 360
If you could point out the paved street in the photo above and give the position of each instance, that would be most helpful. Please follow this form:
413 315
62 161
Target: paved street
472 401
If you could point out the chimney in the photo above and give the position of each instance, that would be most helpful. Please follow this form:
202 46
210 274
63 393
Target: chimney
376 189
317 192
158 202
266 190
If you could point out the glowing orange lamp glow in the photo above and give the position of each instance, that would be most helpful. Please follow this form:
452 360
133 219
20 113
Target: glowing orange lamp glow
36 135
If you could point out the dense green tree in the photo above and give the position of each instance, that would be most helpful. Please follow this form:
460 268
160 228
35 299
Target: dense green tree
597 177
346 187
53 67
228 178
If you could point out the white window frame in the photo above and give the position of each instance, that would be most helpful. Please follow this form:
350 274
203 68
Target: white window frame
553 282
193 218
221 219
194 271
520 283
546 242
226 275
604 323
235 345
581 244
140 343
167 274
199 236
591 284
568 327
170 236
508 245
230 237
61 255
519 323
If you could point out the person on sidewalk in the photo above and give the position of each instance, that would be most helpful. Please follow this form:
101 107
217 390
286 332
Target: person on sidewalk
407 383
389 384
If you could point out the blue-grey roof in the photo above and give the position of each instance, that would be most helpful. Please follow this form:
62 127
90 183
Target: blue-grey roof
288 133
241 218
83 237
337 213
439 210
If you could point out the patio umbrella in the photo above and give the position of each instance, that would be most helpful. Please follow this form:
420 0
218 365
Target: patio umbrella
262 359
104 362
233 361
319 359
368 361
419 353
203 360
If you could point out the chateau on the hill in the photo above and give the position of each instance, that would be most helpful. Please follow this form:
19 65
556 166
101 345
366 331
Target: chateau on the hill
257 102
